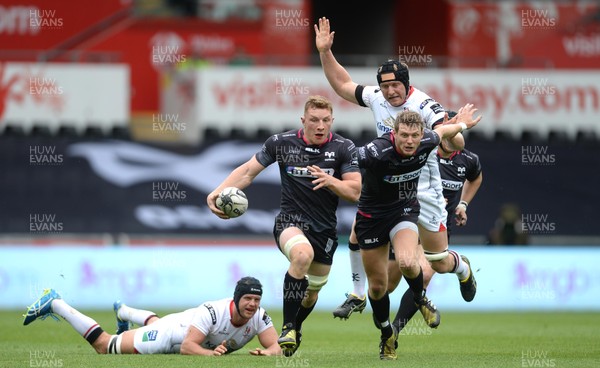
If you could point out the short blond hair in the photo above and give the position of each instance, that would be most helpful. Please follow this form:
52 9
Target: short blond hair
318 102
409 118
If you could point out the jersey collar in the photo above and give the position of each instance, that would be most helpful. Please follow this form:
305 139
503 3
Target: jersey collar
300 134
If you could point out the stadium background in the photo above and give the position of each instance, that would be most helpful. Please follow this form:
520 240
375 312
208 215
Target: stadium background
118 118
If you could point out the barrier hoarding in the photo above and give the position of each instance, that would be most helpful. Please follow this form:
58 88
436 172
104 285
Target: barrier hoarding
509 278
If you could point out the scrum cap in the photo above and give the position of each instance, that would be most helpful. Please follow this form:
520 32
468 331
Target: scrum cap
246 285
393 70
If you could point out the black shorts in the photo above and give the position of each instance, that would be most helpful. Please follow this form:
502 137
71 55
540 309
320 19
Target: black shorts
324 243
375 232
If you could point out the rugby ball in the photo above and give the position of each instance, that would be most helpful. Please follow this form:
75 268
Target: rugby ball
232 201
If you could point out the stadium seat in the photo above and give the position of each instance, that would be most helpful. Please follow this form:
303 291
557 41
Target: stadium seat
588 137
556 136
503 136
212 134
13 130
238 133
93 132
39 130
120 132
530 136
67 131
262 134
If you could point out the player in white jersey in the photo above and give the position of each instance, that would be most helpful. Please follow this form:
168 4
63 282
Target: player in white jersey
213 328
393 95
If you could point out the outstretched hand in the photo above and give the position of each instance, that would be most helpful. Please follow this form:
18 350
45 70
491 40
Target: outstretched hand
324 37
465 115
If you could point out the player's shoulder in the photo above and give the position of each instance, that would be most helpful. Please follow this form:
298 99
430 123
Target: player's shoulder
378 147
423 103
340 140
469 155
283 138
371 94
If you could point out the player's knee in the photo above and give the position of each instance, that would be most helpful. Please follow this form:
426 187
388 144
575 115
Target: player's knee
297 249
377 289
113 346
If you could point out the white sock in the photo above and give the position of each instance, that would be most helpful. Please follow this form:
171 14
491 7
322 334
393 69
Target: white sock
359 276
137 316
80 322
462 269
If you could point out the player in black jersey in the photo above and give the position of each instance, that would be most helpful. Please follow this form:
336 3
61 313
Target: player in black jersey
461 178
317 167
388 212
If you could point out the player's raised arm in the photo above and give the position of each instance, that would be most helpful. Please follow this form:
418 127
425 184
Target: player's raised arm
336 75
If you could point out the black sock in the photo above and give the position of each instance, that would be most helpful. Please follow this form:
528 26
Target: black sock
293 292
94 335
416 286
303 313
381 313
406 310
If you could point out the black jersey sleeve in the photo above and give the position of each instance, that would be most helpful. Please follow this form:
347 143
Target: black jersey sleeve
474 167
267 155
349 157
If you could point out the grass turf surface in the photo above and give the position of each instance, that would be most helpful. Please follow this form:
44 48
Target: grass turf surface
531 339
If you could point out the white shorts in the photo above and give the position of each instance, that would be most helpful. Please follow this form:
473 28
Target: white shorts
163 336
431 197
433 213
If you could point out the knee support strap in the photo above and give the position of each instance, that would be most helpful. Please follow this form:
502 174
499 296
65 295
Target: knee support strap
316 283
292 242
436 257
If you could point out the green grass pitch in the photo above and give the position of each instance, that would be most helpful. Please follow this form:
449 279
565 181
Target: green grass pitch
529 339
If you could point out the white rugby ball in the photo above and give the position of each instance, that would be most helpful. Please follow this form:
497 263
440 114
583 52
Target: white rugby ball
232 201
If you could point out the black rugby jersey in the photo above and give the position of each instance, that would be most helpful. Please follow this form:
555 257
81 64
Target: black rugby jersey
389 180
454 170
336 156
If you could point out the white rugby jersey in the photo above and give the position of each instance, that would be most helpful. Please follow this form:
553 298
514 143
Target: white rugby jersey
213 319
430 182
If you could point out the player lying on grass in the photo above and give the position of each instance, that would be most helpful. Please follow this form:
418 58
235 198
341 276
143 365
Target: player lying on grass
214 328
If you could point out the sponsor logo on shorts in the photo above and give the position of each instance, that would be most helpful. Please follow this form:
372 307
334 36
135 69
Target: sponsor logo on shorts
150 335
